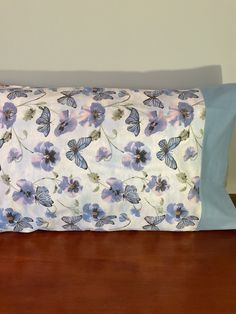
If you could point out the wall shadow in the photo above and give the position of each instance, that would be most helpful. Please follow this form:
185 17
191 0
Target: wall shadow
184 78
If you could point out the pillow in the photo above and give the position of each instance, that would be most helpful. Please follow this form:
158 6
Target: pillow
109 159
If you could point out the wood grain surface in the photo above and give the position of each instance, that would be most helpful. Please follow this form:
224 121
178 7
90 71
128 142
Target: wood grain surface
119 272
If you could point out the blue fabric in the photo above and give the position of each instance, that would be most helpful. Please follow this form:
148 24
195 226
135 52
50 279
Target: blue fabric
218 211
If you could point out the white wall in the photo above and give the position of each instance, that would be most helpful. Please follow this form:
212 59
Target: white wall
120 35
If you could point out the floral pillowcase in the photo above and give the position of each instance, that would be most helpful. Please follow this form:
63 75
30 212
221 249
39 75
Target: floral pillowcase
100 159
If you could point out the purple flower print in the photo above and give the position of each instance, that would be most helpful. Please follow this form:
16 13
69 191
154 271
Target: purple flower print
157 123
14 155
136 156
70 185
46 156
103 153
26 195
184 113
136 212
8 115
175 212
157 184
3 218
190 153
194 193
115 192
92 212
14 219
68 122
94 115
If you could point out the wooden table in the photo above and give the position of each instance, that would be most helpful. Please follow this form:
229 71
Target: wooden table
120 272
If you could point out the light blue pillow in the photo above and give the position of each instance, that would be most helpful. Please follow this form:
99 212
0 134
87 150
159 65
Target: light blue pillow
218 211
109 159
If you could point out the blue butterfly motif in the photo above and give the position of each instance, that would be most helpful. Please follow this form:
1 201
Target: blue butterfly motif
153 100
131 195
187 221
22 224
185 94
42 196
153 222
44 121
107 220
74 152
165 152
134 122
71 222
18 92
68 99
101 93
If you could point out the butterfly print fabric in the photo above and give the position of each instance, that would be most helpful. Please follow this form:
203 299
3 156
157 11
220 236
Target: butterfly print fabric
100 159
